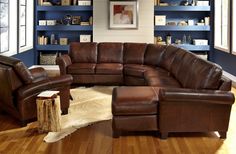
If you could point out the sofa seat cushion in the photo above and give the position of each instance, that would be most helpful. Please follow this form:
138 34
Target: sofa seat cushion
109 68
136 70
163 81
81 68
134 101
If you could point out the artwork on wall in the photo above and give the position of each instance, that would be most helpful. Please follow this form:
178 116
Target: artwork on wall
123 14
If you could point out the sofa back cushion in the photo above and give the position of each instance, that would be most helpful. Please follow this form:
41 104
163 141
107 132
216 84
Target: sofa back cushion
196 73
110 53
153 54
83 52
19 67
168 56
176 64
134 53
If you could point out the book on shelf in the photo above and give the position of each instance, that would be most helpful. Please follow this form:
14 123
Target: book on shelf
42 40
83 23
84 2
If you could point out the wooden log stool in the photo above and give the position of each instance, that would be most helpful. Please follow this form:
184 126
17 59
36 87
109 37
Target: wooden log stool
49 114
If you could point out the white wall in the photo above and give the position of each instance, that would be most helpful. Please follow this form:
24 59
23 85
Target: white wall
144 33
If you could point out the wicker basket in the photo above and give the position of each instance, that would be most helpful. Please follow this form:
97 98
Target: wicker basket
48 59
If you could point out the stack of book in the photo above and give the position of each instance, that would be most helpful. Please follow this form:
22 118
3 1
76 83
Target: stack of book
42 40
84 2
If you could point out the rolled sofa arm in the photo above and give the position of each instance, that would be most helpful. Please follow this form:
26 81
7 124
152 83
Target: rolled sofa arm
187 110
63 61
196 96
38 74
48 84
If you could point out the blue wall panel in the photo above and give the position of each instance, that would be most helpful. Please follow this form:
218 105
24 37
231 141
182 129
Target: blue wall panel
27 57
226 61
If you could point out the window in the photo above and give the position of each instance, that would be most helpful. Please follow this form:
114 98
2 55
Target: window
4 26
22 23
26 21
16 27
222 25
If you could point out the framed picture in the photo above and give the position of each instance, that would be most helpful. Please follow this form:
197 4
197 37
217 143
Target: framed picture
123 14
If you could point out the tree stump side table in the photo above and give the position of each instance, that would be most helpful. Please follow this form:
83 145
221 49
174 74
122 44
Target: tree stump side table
49 114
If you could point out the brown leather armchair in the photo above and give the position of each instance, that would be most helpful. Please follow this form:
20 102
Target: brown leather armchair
20 86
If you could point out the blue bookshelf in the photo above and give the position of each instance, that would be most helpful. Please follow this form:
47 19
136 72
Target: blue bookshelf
182 28
194 47
174 12
64 8
52 47
182 8
64 28
72 31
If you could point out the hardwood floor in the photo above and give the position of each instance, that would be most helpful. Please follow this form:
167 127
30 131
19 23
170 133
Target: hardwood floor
97 139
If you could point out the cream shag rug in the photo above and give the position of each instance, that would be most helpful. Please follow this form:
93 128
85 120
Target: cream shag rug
89 105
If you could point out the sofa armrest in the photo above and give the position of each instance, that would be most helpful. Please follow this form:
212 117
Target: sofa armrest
187 110
38 74
196 96
225 84
55 83
63 61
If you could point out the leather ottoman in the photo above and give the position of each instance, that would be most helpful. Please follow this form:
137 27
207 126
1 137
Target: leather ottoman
134 109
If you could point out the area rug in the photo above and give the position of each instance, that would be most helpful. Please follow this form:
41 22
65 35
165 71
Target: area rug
89 105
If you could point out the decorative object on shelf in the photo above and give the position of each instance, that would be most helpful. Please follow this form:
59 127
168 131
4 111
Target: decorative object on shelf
159 40
63 41
193 3
184 3
207 21
42 22
85 38
56 2
168 39
178 41
156 2
123 14
67 20
202 3
74 2
48 59
190 22
184 40
201 23
84 23
52 39
65 2
76 20
160 20
163 4
189 39
91 20
84 2
171 23
51 22
182 23
41 2
200 42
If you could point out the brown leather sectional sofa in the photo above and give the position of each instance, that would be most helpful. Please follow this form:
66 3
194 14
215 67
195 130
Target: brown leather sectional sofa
19 88
175 90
